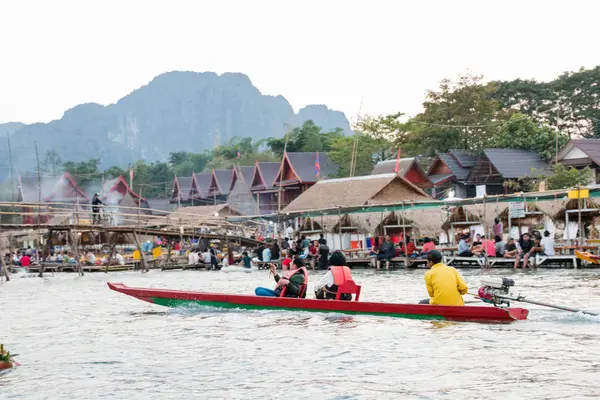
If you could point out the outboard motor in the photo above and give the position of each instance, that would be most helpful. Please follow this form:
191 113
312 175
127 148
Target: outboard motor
495 290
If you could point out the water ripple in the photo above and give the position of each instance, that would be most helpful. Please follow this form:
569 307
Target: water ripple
77 339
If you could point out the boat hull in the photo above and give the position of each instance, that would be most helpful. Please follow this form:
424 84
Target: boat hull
178 298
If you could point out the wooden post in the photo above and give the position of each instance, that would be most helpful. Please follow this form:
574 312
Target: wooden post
3 269
339 230
113 244
46 253
142 256
404 236
486 261
75 246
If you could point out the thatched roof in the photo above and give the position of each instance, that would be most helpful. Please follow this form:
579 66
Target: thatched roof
196 215
460 214
356 191
573 204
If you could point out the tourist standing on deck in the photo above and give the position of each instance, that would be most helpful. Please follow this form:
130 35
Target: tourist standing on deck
498 228
444 284
96 202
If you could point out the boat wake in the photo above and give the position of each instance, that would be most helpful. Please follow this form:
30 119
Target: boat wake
561 316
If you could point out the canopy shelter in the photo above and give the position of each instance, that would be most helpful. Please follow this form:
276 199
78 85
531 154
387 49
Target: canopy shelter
459 219
574 211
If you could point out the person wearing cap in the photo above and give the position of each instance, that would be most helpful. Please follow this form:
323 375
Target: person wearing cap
96 202
444 284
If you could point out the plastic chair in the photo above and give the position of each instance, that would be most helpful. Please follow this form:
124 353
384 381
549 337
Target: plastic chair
348 287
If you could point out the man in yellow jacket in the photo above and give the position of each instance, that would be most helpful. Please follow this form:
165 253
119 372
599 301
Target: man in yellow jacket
444 284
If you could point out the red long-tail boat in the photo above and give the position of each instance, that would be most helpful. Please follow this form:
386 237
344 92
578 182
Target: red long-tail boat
180 298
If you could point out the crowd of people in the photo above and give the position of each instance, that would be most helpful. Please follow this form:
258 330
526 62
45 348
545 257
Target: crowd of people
521 250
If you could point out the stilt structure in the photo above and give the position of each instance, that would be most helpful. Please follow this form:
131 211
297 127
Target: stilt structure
112 242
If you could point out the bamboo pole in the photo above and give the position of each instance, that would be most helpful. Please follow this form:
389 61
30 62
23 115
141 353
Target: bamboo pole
75 246
112 242
404 236
4 269
142 255
46 253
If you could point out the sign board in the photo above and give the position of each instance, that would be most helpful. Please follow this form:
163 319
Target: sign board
516 210
579 194
480 191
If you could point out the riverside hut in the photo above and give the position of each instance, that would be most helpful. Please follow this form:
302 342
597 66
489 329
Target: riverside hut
357 191
200 187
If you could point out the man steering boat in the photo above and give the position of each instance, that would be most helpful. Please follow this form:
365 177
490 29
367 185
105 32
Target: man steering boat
444 284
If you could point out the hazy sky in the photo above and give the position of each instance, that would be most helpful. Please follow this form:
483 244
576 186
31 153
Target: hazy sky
57 54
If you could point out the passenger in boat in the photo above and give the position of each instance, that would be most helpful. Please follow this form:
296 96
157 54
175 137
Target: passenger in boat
292 280
444 284
337 274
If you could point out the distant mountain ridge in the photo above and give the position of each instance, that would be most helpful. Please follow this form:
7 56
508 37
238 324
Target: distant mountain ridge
176 111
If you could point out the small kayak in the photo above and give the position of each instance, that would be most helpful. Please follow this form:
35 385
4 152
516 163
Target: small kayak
233 268
181 298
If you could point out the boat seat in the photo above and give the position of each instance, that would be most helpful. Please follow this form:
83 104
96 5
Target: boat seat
348 287
302 294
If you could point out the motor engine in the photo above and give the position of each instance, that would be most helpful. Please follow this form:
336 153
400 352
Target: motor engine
494 289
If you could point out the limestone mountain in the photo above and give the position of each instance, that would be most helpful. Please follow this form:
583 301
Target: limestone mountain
176 111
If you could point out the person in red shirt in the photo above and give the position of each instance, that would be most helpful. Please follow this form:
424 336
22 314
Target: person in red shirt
313 253
285 264
25 261
411 249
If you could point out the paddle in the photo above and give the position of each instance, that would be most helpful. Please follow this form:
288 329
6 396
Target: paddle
539 303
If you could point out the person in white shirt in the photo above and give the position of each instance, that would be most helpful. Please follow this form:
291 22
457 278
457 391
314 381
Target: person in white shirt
266 254
547 243
193 258
90 258
119 258
206 257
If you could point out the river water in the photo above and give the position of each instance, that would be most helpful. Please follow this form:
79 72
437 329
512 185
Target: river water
79 340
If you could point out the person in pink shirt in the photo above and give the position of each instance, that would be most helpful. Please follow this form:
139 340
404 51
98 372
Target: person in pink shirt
489 246
427 246
25 261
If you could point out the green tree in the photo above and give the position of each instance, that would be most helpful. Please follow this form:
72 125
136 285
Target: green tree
51 162
184 164
521 132
570 102
84 172
563 177
457 115
114 172
382 135
308 137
